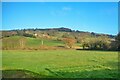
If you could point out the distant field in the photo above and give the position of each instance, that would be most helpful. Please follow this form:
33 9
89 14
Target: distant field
14 42
60 63
47 42
31 42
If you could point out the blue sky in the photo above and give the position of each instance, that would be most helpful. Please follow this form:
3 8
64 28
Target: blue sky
100 17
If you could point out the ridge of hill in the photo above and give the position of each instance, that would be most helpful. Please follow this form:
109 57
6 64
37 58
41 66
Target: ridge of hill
52 32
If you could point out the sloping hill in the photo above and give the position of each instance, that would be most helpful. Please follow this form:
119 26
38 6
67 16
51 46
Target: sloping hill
15 42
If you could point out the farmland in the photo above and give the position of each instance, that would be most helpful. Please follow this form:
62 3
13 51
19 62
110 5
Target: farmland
13 42
60 63
68 39
29 57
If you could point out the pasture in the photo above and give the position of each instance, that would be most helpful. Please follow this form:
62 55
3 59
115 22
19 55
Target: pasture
14 42
60 63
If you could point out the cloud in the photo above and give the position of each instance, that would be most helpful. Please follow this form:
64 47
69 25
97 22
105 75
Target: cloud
66 8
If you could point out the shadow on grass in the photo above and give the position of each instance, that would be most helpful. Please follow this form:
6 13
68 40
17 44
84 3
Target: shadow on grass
95 74
108 70
90 74
96 50
18 73
113 64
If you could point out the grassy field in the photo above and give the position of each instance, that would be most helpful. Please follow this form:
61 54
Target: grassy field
47 42
13 42
29 42
60 63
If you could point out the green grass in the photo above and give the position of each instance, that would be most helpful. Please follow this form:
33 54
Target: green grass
13 42
31 42
47 42
63 63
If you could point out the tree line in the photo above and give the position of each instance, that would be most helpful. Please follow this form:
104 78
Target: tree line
92 41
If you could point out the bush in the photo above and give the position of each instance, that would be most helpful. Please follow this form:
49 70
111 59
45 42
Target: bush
13 43
69 42
28 35
101 43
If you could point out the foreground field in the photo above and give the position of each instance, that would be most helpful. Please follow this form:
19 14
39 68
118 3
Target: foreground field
60 63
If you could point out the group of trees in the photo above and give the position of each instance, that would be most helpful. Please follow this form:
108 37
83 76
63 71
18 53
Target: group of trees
23 33
118 41
96 43
92 43
14 43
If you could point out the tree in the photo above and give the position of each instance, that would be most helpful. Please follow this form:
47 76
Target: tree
69 42
67 35
28 35
22 42
104 42
84 42
52 32
118 41
101 42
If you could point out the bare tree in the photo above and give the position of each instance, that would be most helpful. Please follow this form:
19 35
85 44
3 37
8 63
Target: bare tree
69 42
22 42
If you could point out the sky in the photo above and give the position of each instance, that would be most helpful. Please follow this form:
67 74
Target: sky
99 17
60 0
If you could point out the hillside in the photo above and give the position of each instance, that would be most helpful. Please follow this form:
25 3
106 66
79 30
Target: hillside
57 32
57 37
15 42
